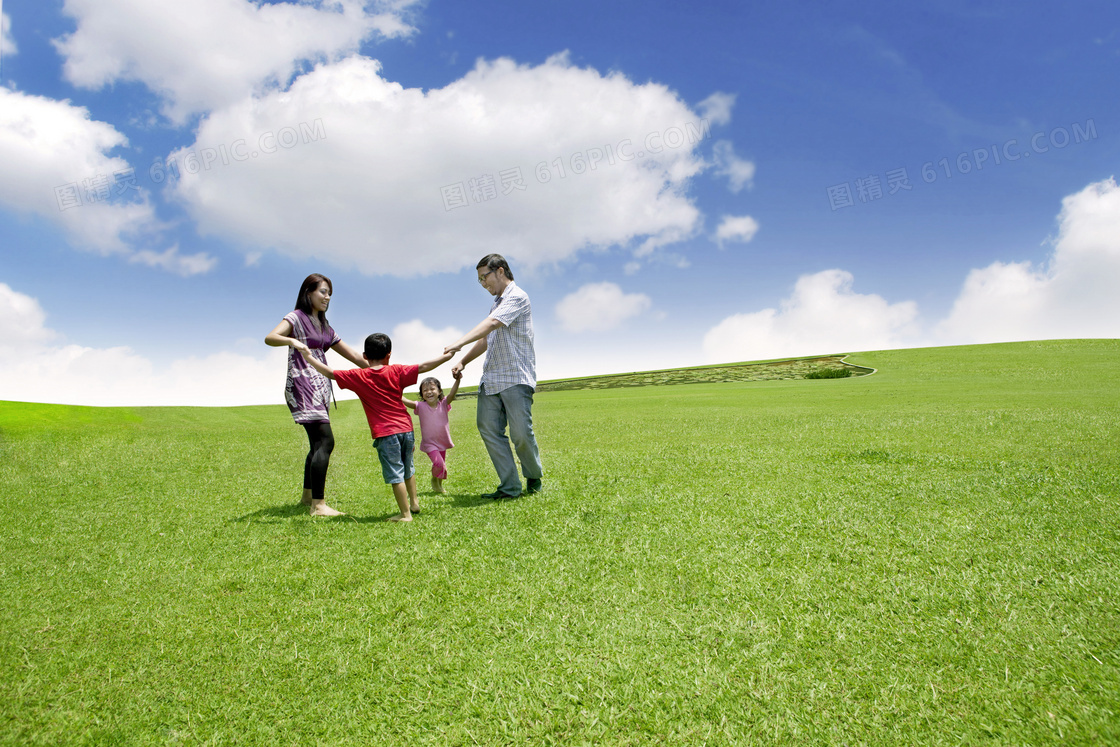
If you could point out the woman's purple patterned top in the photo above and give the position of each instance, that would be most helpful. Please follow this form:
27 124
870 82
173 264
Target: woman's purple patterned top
308 392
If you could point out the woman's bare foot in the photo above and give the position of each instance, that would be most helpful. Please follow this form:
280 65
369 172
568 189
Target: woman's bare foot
320 508
306 499
399 517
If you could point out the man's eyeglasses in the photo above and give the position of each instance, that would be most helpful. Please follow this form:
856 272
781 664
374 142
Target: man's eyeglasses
482 277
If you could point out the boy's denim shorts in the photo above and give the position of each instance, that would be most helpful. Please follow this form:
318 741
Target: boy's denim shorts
395 454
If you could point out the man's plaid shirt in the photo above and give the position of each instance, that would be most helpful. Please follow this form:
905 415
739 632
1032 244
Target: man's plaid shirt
510 358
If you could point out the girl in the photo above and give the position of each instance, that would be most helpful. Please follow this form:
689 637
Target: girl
308 392
435 431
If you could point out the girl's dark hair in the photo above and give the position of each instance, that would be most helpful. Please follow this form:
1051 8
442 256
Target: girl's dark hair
431 380
310 283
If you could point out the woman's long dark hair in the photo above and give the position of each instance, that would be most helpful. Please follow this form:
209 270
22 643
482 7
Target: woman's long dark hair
310 283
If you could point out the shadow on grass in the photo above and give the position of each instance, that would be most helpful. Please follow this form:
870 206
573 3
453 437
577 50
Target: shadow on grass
384 518
288 511
467 500
291 510
433 504
275 512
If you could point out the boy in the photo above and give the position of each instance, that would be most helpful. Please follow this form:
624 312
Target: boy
379 387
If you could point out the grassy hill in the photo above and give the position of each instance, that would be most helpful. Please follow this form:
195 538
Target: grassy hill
926 555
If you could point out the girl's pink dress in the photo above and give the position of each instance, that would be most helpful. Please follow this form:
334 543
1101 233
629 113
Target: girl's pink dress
435 431
435 434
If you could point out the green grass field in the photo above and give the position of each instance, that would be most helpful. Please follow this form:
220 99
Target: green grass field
926 555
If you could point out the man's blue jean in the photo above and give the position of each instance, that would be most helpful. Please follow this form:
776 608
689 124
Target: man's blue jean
513 406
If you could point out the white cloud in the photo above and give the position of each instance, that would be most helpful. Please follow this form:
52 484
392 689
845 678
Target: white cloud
740 228
1074 295
717 107
416 342
172 261
22 319
35 369
361 183
822 315
7 43
209 53
35 366
739 173
599 307
52 152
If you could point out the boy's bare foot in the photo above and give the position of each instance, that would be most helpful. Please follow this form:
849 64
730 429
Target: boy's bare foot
414 508
399 517
320 508
306 499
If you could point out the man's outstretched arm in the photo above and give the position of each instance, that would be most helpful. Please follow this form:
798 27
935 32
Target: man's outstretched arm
483 328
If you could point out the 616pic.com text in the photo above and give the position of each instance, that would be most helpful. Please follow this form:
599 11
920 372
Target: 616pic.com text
869 188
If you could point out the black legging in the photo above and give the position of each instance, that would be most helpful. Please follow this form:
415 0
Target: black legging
318 458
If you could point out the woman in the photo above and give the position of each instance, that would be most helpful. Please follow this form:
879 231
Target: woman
308 392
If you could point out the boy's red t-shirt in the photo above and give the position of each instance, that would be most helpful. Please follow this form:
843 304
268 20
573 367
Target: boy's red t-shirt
380 391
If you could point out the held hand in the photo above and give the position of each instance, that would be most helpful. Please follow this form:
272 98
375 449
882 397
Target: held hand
452 349
300 347
304 350
457 370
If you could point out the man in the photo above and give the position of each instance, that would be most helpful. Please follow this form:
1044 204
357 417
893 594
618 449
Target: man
509 377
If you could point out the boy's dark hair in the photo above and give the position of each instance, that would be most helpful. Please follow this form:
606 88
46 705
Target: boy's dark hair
431 380
378 345
493 262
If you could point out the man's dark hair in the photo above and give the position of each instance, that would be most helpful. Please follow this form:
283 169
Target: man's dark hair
492 262
378 345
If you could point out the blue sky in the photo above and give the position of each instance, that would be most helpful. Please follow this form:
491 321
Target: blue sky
769 180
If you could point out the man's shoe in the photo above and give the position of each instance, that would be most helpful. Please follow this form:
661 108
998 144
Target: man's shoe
499 495
534 486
